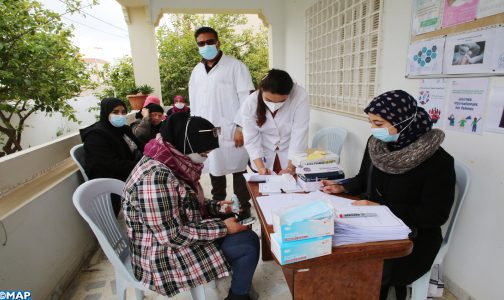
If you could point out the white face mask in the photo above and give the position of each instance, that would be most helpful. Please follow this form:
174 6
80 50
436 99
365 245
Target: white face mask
197 158
179 105
273 106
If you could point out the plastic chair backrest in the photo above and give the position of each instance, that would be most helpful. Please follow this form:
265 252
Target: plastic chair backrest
463 180
92 200
333 137
77 153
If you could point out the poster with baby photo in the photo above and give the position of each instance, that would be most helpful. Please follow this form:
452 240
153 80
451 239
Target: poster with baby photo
469 52
432 98
466 104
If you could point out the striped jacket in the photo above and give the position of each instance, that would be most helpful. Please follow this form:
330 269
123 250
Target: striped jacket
172 248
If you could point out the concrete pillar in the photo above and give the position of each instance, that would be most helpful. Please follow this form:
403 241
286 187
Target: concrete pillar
143 48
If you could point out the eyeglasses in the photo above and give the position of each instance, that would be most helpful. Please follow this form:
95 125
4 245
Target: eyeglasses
207 42
216 131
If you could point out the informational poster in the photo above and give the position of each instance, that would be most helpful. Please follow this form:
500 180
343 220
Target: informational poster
426 16
469 52
426 57
466 104
498 52
432 98
489 7
495 118
459 11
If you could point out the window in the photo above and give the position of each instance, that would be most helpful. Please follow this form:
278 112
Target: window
342 40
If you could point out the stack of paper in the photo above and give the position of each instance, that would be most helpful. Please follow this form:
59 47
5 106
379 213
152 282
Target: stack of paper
361 224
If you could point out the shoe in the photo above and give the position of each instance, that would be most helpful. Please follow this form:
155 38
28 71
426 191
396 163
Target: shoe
233 296
244 214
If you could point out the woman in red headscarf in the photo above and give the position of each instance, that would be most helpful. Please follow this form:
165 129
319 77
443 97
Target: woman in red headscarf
179 105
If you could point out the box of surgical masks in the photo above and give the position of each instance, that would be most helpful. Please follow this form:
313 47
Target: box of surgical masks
291 252
305 221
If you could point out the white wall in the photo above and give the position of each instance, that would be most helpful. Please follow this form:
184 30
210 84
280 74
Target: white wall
474 262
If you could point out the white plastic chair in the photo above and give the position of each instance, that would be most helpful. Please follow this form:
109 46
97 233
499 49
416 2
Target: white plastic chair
334 138
77 153
92 200
463 179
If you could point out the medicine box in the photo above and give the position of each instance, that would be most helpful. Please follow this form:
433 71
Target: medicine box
291 252
303 229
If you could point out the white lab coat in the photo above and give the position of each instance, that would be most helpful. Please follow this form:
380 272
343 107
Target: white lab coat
288 131
217 96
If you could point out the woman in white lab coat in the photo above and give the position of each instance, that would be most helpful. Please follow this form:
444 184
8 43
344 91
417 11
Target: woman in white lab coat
275 122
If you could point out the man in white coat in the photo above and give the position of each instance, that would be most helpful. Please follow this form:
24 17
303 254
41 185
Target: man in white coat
217 88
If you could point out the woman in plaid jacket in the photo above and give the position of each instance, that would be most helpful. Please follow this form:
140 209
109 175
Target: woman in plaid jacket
177 240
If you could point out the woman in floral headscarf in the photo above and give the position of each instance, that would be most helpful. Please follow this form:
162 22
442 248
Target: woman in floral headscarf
405 168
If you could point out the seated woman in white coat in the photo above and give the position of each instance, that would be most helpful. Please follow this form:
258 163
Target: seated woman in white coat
275 122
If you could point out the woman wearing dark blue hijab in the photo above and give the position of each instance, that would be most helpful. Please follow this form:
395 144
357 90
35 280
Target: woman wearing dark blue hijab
405 168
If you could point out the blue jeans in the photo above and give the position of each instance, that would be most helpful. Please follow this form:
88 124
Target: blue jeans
242 252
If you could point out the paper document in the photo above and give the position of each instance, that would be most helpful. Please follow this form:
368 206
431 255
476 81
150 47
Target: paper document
278 184
256 177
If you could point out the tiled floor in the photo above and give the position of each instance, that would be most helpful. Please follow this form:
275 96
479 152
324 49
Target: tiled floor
96 281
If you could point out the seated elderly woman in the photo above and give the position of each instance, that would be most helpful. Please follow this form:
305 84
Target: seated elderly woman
177 239
405 168
148 120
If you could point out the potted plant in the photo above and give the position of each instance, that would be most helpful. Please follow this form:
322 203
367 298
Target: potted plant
137 96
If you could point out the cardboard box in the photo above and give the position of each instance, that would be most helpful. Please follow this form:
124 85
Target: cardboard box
291 252
302 230
305 159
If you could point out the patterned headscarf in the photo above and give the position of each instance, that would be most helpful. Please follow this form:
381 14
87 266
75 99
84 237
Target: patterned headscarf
401 110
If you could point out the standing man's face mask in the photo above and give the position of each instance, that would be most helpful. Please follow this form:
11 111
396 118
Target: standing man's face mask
179 105
117 120
208 52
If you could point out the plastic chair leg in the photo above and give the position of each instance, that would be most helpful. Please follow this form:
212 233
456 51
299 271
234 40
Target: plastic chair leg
420 287
139 294
120 287
198 293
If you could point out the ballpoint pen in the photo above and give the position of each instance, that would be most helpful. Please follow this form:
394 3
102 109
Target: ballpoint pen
357 215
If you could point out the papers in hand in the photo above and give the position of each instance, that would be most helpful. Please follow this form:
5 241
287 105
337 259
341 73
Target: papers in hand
279 183
368 224
255 177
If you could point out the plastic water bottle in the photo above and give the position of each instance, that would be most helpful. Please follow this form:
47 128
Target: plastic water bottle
236 204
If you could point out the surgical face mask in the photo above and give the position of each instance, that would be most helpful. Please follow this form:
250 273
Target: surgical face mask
208 52
197 158
383 133
117 120
273 106
179 105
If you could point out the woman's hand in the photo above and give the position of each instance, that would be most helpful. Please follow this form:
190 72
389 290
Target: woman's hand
238 138
364 203
226 206
233 226
330 187
264 171
287 171
145 112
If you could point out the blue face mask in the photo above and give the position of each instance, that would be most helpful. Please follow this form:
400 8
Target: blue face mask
117 120
208 52
383 133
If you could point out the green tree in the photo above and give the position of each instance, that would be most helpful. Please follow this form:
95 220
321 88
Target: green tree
40 69
118 79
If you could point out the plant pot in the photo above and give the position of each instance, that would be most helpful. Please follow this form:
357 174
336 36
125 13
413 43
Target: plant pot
137 101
